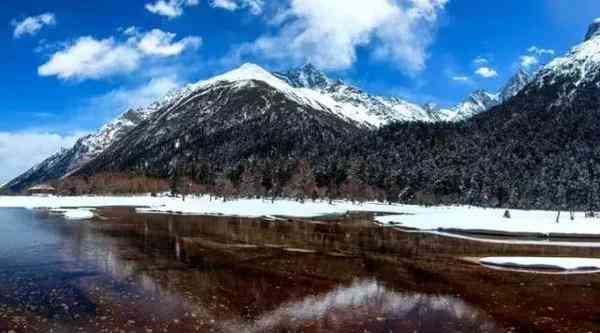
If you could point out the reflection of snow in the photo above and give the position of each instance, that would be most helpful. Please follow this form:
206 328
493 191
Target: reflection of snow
363 301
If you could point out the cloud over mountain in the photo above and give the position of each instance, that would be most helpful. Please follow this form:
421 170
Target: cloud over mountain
329 33
91 58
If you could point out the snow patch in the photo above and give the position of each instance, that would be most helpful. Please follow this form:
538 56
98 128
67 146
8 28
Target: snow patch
492 221
75 214
203 205
440 218
568 264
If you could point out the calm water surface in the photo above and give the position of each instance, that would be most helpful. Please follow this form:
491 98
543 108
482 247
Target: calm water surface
157 273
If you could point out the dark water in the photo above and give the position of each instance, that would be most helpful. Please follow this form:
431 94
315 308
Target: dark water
129 272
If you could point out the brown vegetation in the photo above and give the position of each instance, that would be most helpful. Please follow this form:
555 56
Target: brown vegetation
111 183
297 181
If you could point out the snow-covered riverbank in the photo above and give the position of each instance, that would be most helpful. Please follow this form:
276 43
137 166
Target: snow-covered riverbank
454 218
567 264
482 220
206 206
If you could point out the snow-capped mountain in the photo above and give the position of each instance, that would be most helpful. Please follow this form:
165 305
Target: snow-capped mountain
593 30
306 86
307 76
576 72
481 100
90 146
515 85
536 149
85 149
371 110
244 115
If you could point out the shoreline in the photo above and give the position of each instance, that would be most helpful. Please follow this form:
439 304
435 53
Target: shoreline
457 221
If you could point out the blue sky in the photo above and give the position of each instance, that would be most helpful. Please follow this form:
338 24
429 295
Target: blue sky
69 66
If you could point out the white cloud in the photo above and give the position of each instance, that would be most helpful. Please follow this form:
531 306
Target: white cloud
460 78
171 8
130 31
328 33
539 51
33 24
481 61
90 58
160 43
533 57
528 61
19 151
255 6
486 72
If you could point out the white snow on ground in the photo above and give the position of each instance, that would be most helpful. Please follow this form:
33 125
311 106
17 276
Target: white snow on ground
543 263
417 217
203 205
259 207
491 220
75 214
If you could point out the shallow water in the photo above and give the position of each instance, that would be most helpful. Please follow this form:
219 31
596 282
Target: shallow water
142 273
137 274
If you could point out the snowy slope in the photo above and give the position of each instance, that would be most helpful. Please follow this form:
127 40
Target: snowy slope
477 102
578 68
352 102
515 85
90 146
481 100
310 87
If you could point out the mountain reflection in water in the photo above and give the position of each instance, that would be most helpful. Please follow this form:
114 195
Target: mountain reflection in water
367 300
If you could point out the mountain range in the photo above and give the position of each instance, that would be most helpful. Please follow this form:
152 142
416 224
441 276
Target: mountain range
307 85
532 144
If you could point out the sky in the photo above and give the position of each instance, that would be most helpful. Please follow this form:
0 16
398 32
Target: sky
70 66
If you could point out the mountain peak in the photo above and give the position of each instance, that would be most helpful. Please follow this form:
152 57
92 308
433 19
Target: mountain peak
515 84
481 94
246 72
309 67
593 30
307 76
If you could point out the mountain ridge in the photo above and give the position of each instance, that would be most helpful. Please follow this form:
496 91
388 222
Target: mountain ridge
306 85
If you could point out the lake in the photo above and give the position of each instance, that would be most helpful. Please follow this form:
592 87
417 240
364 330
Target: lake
136 272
